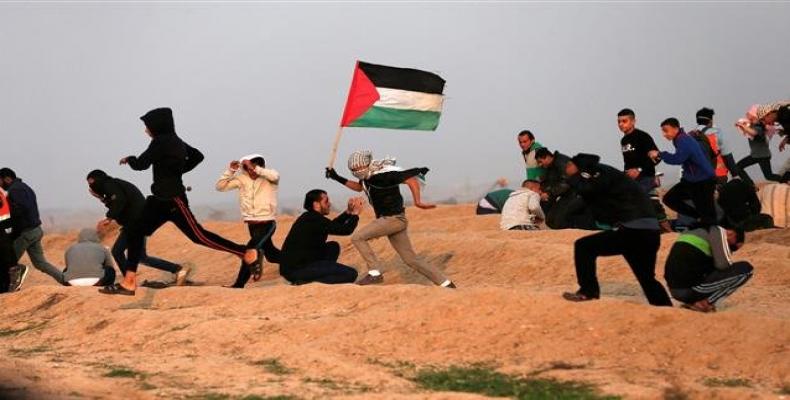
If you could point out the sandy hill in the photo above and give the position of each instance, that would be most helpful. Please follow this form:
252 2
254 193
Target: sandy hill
318 341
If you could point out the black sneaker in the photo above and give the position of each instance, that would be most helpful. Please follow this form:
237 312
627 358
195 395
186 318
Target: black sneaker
371 280
18 276
578 297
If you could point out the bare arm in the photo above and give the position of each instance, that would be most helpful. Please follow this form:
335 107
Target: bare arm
414 187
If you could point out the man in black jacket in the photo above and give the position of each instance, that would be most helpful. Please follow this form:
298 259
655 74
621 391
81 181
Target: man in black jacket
382 183
306 256
618 201
564 209
124 203
7 256
171 158
26 230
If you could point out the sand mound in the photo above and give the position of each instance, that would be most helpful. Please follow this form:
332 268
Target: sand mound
318 341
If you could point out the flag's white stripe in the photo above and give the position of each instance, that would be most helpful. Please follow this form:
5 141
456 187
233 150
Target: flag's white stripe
409 100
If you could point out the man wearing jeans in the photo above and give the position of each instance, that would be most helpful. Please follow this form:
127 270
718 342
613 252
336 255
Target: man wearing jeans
26 226
306 255
381 182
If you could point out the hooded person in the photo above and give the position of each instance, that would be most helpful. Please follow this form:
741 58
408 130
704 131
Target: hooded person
170 158
381 180
124 203
257 186
88 262
759 133
617 201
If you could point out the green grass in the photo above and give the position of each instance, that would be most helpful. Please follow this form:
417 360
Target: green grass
123 372
727 382
4 332
487 381
273 366
29 351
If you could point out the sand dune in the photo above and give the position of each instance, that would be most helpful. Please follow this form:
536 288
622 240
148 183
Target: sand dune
318 341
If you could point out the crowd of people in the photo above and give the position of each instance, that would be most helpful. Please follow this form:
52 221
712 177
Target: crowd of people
715 200
622 205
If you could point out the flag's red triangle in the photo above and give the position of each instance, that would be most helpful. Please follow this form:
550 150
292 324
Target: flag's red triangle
361 96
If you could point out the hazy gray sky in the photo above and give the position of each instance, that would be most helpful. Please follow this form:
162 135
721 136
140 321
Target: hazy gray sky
272 78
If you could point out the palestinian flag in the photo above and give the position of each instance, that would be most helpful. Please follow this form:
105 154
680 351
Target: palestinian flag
393 98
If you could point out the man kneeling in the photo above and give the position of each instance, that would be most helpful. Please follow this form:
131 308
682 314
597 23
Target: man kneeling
699 271
88 263
522 209
306 255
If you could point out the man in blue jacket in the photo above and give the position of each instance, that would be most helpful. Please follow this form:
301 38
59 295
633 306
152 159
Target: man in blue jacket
26 227
698 180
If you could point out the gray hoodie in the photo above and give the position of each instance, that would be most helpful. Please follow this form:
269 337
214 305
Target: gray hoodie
87 258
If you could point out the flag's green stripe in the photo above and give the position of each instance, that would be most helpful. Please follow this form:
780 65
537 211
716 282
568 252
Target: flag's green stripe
390 118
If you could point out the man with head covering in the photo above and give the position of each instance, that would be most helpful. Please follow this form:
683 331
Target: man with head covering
170 158
257 186
759 133
619 202
88 263
381 181
778 114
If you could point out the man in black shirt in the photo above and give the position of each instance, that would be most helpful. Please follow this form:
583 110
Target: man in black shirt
306 255
382 185
124 203
637 165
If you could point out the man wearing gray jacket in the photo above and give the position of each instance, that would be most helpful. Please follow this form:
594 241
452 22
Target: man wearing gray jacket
88 262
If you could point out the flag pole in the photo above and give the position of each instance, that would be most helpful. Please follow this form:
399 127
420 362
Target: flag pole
335 145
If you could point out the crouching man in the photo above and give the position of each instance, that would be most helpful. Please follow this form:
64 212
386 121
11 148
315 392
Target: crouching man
699 271
306 255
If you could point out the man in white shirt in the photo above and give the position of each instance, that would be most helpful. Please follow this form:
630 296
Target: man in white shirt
522 209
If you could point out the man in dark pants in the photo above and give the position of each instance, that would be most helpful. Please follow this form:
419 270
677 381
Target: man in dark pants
699 271
698 182
170 158
26 232
124 203
306 255
635 145
564 209
616 200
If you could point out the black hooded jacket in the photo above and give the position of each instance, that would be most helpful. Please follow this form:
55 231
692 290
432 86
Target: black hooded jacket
123 200
555 182
612 197
170 156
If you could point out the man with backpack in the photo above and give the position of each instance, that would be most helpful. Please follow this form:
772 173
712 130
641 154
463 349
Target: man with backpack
697 182
721 158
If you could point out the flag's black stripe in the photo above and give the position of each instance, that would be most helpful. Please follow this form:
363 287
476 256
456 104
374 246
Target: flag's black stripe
403 78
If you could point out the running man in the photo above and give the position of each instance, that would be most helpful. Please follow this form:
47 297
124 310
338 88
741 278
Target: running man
618 201
257 187
124 203
26 231
381 183
699 271
171 158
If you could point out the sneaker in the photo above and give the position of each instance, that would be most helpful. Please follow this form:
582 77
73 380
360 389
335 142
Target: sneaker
578 297
371 280
181 275
18 277
451 286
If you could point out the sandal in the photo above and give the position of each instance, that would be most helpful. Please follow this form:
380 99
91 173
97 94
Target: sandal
116 289
578 297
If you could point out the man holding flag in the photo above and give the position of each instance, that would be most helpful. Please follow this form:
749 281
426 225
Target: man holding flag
391 98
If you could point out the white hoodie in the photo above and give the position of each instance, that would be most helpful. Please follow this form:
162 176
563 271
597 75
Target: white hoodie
521 208
258 197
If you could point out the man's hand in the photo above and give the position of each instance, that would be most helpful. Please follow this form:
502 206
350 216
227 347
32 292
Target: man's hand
234 165
248 165
355 205
654 154
103 224
632 173
424 206
124 161
544 196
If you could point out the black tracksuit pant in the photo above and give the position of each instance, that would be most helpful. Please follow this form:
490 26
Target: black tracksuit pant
158 211
639 247
327 270
716 285
700 193
7 260
261 240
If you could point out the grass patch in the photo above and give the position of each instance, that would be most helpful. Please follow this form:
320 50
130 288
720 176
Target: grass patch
5 332
487 381
29 351
727 382
123 372
273 366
